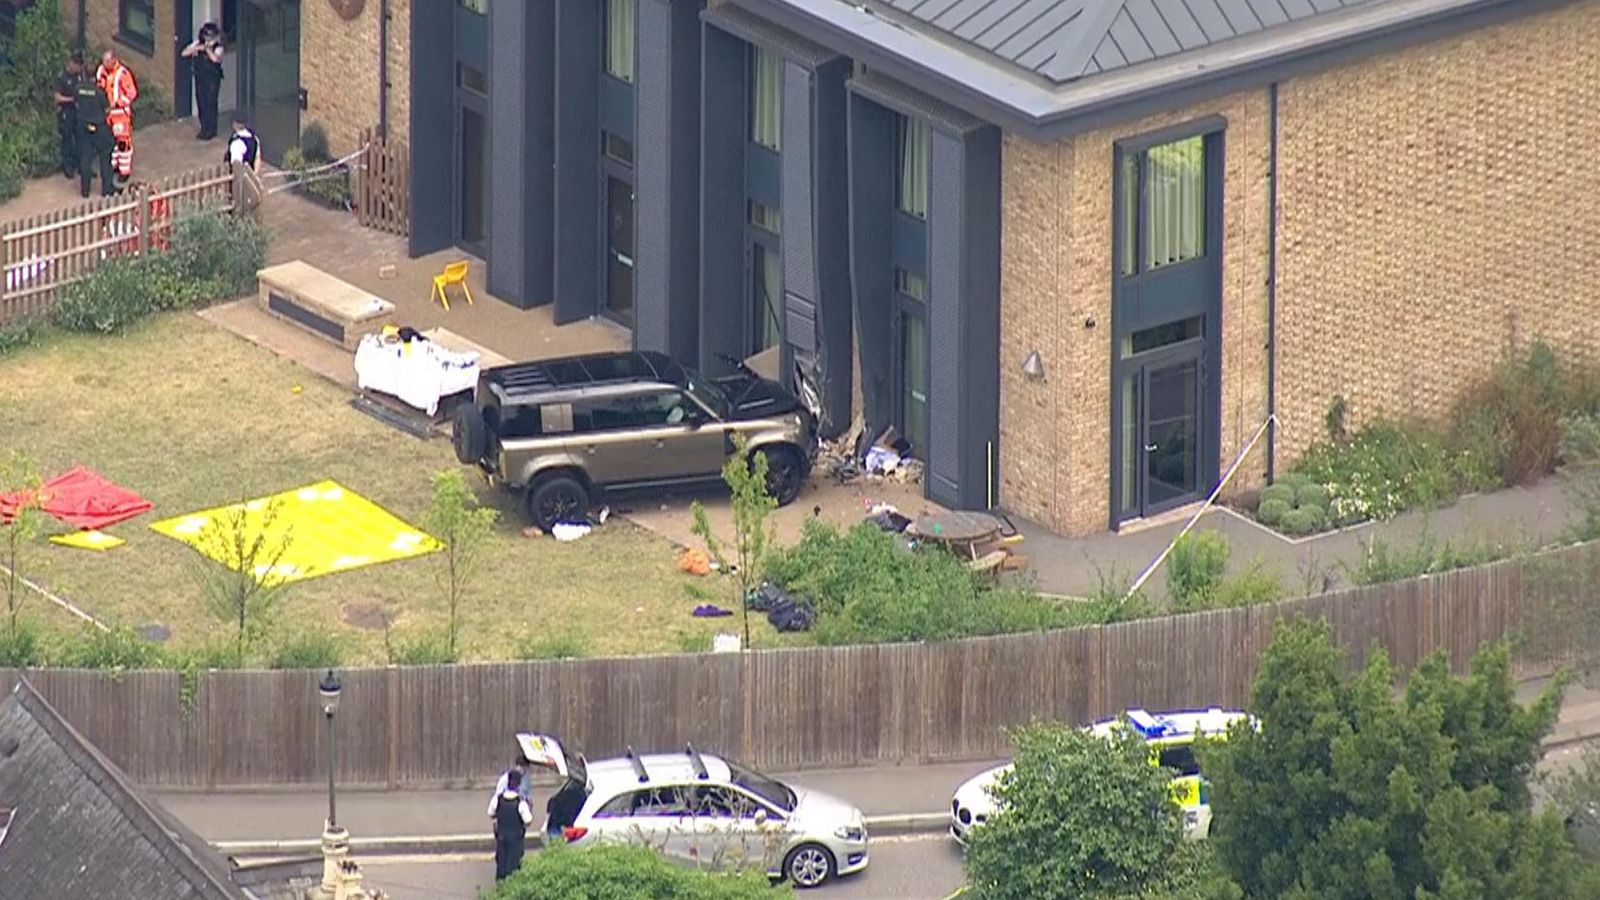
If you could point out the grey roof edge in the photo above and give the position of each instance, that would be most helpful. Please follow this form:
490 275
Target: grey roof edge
987 88
757 29
172 840
894 94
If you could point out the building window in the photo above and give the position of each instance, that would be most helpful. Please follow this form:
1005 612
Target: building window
136 24
765 217
911 284
470 79
617 148
914 379
1163 199
766 289
911 153
620 22
481 7
766 97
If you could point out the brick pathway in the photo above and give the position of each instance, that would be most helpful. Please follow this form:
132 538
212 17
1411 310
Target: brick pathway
159 151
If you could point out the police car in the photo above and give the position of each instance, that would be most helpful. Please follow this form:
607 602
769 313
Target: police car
1170 737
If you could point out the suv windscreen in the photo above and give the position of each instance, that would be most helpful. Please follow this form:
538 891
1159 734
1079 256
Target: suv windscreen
709 395
774 792
1180 758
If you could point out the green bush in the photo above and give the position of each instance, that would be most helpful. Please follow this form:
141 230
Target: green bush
556 646
1311 494
424 650
33 59
1513 417
23 650
314 144
1382 562
21 333
1384 469
1580 437
1278 493
867 587
1196 568
331 186
1271 512
217 248
152 107
624 872
1257 584
117 649
111 298
313 650
1298 522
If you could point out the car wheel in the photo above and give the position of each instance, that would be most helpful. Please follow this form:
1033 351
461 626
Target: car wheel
808 865
468 433
556 498
785 474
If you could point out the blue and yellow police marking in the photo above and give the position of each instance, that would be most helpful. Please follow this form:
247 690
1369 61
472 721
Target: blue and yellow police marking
322 528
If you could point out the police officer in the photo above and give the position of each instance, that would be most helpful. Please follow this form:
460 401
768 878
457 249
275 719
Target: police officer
206 55
243 145
67 112
94 138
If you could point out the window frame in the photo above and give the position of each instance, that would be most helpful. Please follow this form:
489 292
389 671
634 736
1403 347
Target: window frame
1130 219
905 127
145 45
760 57
608 10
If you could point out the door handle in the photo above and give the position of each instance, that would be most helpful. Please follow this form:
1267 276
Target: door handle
1151 448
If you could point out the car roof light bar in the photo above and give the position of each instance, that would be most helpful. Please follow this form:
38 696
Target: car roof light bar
638 766
696 762
1146 724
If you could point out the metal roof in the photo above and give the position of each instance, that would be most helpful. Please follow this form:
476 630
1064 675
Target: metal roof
1061 40
1050 68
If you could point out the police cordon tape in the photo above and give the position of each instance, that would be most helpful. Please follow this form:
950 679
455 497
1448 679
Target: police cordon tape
447 844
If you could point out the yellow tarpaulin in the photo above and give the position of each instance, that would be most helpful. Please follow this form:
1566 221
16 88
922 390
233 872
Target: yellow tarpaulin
87 540
315 530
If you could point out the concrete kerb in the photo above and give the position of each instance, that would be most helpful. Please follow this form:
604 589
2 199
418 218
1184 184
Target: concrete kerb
452 844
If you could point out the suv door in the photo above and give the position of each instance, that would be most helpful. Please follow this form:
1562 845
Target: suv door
653 435
648 816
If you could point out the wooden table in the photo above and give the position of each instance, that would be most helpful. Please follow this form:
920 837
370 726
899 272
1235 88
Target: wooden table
960 531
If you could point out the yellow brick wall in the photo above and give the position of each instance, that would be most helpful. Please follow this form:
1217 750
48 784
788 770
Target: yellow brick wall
1437 205
100 30
1055 434
339 70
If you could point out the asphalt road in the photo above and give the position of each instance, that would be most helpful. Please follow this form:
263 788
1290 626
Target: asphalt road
909 867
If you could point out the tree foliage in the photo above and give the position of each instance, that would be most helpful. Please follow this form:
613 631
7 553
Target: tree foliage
1348 790
245 591
745 473
464 528
624 872
1082 816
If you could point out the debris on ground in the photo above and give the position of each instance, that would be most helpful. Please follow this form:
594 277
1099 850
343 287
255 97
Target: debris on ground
784 612
533 531
710 611
887 518
724 642
888 458
570 531
695 562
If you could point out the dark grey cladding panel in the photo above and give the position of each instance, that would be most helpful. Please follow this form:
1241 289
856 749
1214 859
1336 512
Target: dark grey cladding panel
577 158
909 101
871 205
432 149
946 185
755 30
799 227
722 213
653 89
508 101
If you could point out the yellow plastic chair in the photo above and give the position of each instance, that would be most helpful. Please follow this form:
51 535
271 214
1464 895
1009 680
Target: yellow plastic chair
454 273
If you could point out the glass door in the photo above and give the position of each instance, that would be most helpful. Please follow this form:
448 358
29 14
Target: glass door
913 406
472 210
269 73
1171 426
617 166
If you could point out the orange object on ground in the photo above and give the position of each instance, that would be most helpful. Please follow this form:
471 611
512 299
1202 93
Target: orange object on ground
80 498
695 562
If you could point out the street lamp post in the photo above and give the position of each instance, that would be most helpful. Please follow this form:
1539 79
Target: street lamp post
335 842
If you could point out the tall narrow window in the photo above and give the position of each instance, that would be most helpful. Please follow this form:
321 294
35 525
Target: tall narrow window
1162 195
766 97
911 150
620 23
766 286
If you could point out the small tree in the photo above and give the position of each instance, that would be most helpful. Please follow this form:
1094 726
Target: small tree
246 588
17 534
1081 816
746 476
463 527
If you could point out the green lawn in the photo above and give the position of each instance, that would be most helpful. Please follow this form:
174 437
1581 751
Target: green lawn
192 417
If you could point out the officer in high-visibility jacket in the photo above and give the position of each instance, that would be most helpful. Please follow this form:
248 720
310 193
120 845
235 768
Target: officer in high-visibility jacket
121 90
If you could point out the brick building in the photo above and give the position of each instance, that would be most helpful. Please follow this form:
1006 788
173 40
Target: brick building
1077 251
288 63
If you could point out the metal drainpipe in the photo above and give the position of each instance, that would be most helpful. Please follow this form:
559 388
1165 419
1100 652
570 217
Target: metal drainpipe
383 69
1272 279
82 28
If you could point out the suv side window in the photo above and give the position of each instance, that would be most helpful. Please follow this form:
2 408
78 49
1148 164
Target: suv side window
1179 757
520 422
656 409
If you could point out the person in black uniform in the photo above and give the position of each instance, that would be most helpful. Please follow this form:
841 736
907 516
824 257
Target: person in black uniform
243 145
205 52
94 138
511 820
67 112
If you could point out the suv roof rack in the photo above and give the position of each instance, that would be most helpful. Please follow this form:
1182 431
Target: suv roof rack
638 765
579 371
698 764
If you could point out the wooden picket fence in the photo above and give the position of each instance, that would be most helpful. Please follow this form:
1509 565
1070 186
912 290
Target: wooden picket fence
383 184
40 256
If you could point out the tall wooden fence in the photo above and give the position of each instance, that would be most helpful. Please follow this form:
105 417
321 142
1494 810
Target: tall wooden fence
383 184
41 255
779 709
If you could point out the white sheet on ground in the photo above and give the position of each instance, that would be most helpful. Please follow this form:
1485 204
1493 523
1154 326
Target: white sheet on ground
418 372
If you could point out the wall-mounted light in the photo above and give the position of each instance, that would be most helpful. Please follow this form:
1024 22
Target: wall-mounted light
1033 366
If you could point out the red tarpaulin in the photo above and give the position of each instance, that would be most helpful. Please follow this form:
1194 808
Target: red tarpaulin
80 498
